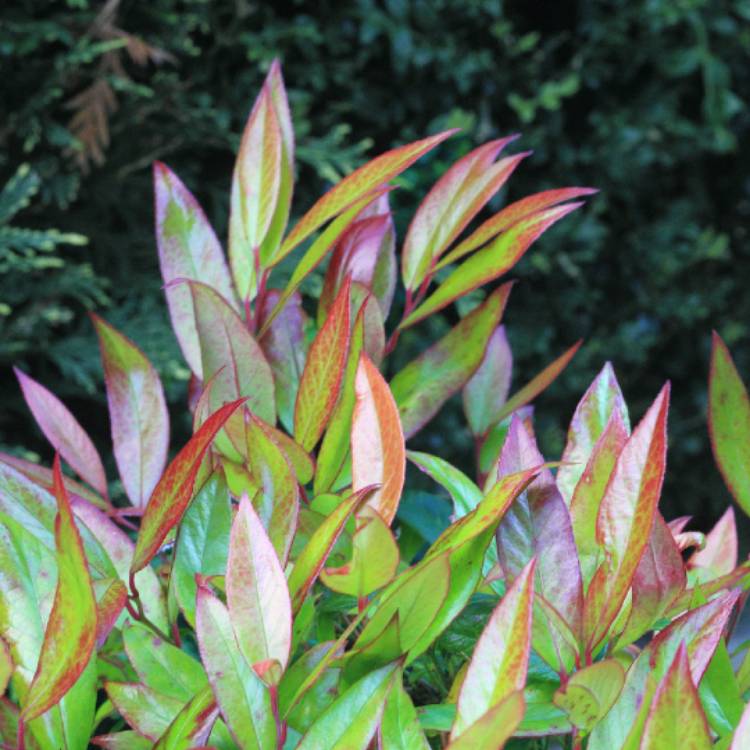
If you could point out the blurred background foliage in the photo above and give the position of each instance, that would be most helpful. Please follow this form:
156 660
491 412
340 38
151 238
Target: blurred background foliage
644 99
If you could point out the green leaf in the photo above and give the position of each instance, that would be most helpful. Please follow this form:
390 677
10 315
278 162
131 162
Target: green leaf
498 665
490 262
148 712
591 692
428 381
324 370
257 596
172 495
316 551
161 666
591 418
188 249
377 441
352 720
202 542
244 701
137 412
399 728
374 558
70 635
729 423
676 717
494 728
464 493
192 726
720 694
741 737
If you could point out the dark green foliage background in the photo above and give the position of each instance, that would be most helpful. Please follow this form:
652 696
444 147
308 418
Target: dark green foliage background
644 99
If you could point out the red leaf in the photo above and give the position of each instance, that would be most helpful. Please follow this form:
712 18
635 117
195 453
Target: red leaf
719 556
172 495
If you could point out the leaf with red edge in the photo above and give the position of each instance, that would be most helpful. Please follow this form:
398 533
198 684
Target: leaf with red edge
490 262
192 726
70 635
335 448
314 554
277 501
257 596
719 556
230 357
256 184
357 185
42 476
501 656
590 419
659 579
137 412
243 698
188 249
537 526
487 389
378 450
494 728
62 430
676 718
701 629
357 255
324 369
108 609
428 381
453 201
625 518
729 423
589 491
172 495
509 216
540 382
286 350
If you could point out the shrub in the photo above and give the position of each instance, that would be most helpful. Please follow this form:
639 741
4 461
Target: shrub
273 585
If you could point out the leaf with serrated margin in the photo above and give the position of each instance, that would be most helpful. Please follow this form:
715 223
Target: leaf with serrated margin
64 432
490 262
500 659
257 594
428 381
172 495
324 370
70 635
137 412
188 249
590 419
